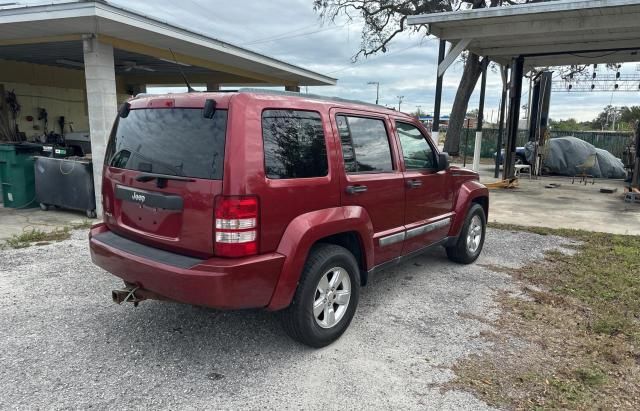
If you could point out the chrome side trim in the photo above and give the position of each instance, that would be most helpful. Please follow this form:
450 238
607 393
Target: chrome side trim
391 239
414 232
397 260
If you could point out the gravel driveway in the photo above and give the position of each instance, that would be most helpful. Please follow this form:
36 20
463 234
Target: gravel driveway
64 344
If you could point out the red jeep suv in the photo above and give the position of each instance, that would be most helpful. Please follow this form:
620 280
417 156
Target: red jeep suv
276 200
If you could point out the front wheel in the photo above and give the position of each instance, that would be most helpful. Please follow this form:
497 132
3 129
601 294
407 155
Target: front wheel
471 239
326 298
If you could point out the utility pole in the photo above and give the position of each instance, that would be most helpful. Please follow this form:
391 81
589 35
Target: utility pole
400 98
377 84
418 111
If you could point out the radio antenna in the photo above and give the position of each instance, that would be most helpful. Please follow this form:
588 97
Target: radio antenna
189 88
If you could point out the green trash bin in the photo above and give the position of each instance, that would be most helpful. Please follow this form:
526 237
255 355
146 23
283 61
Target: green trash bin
17 175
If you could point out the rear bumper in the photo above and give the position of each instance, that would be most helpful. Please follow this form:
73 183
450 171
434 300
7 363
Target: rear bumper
219 283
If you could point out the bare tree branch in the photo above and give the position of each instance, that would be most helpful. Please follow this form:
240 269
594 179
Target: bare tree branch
384 20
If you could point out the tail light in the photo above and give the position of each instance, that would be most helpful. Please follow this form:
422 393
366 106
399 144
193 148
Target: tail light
236 230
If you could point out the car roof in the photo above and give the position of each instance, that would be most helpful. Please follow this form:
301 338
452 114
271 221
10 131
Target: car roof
223 98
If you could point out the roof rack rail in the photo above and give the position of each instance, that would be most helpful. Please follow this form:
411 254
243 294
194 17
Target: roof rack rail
311 96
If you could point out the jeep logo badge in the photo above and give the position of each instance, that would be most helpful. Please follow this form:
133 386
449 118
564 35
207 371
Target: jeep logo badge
137 197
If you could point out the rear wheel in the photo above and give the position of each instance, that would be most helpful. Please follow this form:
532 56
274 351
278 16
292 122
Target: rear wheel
471 239
326 299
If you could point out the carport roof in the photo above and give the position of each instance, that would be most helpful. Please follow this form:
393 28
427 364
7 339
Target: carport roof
552 33
135 33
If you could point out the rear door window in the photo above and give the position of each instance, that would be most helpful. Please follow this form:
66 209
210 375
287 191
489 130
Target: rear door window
294 144
365 144
175 141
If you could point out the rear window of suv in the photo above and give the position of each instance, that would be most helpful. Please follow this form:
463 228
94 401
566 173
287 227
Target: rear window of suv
175 141
294 144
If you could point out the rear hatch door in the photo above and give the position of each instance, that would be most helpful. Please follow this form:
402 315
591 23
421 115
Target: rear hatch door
163 170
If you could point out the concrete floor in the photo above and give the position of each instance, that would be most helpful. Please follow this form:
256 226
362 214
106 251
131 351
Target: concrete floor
16 221
576 205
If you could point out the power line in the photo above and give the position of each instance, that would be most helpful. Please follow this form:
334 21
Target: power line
282 34
361 62
285 36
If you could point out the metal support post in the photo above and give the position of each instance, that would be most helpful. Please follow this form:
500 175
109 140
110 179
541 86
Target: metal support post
515 94
435 128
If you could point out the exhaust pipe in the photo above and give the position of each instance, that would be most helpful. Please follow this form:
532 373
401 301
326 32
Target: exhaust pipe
126 295
133 294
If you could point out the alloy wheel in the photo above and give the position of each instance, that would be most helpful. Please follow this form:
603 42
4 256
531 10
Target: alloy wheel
474 234
332 297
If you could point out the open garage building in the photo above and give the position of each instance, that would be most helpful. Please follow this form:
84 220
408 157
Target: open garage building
66 67
528 36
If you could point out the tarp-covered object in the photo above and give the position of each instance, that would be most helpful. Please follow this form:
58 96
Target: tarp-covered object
565 155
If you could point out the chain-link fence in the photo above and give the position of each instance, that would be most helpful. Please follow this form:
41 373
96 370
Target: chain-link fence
614 143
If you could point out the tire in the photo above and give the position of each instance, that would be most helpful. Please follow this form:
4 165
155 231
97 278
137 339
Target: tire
299 319
44 207
462 252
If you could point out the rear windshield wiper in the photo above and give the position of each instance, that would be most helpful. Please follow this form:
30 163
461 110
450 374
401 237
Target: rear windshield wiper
161 179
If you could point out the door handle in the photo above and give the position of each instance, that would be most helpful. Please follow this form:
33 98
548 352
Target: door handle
356 189
414 183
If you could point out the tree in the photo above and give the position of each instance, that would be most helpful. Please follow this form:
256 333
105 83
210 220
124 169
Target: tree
385 19
570 124
418 113
629 116
616 118
473 113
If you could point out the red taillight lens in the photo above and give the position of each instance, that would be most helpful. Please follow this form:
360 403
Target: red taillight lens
160 103
236 226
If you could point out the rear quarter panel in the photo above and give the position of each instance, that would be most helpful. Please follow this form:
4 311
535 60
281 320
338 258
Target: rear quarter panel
304 231
281 200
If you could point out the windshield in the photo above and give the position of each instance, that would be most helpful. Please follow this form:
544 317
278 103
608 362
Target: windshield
177 141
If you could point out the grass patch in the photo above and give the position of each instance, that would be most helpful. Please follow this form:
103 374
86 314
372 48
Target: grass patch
36 236
575 343
84 224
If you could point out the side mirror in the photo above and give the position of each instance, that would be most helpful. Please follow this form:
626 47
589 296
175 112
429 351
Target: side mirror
443 161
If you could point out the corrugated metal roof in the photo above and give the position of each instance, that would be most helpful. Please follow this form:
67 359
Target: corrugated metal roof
561 32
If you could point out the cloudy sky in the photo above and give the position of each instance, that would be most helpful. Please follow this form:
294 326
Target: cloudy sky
290 30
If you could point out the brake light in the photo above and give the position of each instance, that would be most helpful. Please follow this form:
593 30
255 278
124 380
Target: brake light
236 226
161 103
